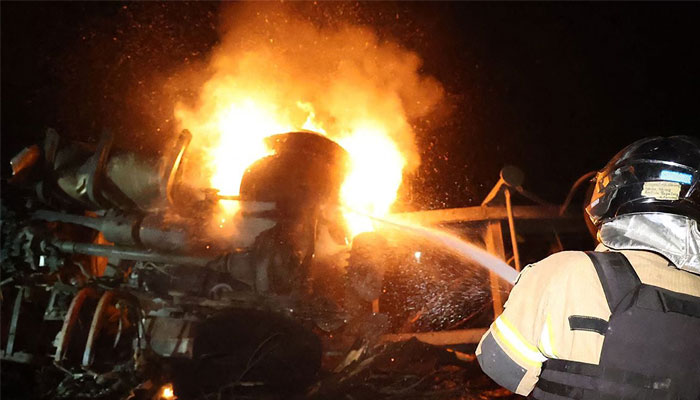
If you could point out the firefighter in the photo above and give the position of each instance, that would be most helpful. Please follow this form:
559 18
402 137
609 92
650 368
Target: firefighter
622 322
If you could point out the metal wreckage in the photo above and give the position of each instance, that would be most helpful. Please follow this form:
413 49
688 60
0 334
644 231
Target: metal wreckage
115 286
111 270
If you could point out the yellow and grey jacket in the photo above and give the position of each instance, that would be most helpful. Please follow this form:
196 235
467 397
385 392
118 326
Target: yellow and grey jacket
536 325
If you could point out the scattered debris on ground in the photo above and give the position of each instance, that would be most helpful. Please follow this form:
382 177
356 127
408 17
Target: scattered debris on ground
409 370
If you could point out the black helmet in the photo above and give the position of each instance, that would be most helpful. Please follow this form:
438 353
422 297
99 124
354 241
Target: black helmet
651 175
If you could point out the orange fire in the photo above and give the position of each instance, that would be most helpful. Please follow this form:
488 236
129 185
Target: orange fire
375 175
238 128
275 73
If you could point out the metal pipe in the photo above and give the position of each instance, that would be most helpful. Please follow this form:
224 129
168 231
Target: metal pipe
98 320
585 177
511 228
72 316
494 191
531 196
172 167
115 229
54 216
128 253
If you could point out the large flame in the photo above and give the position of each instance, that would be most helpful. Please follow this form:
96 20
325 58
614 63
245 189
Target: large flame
275 73
375 175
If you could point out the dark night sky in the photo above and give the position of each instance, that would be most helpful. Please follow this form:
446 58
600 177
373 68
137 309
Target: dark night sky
555 88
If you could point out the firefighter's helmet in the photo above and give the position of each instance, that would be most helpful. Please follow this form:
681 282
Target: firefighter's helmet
654 174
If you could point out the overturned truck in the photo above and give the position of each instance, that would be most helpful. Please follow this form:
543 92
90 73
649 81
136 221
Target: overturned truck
117 281
122 279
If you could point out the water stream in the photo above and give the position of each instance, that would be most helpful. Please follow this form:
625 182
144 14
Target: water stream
457 245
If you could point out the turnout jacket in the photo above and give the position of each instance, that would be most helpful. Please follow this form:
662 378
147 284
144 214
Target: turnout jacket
558 310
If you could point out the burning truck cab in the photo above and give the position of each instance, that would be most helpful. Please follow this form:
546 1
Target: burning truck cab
119 277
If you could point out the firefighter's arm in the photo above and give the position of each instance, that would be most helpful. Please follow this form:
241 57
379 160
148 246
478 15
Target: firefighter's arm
520 339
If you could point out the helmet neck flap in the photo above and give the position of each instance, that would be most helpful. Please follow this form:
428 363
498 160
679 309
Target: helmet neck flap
675 237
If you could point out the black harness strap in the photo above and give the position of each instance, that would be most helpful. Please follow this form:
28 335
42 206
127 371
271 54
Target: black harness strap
571 392
677 304
615 274
592 370
578 393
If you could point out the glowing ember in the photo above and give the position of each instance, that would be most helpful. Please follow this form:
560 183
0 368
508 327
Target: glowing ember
417 255
276 73
167 392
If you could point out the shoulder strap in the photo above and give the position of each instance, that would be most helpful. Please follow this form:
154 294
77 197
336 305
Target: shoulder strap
616 275
680 303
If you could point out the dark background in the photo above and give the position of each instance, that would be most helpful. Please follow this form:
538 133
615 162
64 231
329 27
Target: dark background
555 88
